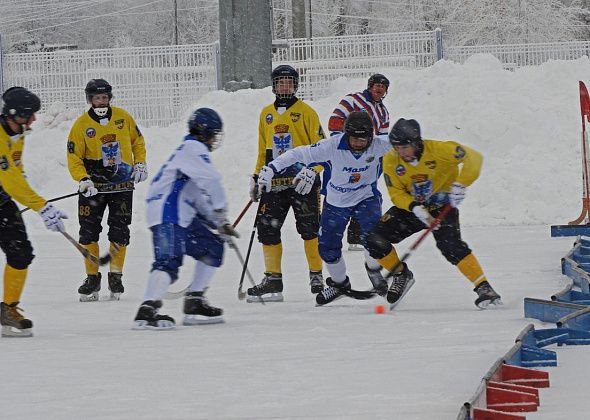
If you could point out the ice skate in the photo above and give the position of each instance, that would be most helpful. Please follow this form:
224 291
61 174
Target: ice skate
270 289
316 281
197 310
377 279
400 285
332 292
486 296
90 288
147 317
116 285
13 323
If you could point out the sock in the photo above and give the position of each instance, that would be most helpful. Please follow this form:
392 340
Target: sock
118 259
372 263
91 268
390 260
201 277
337 270
471 269
272 258
313 254
14 282
157 284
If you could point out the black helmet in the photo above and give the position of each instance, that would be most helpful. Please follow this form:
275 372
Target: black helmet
284 71
96 86
359 124
405 132
206 125
20 102
378 78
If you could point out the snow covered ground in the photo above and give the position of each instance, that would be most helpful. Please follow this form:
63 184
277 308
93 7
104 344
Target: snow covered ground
291 359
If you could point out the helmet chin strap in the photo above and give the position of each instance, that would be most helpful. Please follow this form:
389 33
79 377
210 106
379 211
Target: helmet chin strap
101 112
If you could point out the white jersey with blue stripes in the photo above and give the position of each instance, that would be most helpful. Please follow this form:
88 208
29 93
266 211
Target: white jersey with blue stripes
187 185
353 175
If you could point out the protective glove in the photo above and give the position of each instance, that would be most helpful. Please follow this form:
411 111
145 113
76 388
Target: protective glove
52 218
224 227
253 188
139 173
86 188
304 180
421 213
457 194
265 178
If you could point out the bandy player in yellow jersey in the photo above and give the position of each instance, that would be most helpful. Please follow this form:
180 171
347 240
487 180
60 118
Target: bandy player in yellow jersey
285 124
106 156
422 177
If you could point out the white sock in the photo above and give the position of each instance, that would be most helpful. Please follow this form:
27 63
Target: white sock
371 262
157 285
201 277
337 270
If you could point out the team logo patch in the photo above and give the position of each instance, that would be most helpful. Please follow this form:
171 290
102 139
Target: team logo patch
460 153
205 157
295 116
4 163
400 170
281 143
268 118
430 164
120 123
90 132
370 159
108 138
16 156
71 146
354 178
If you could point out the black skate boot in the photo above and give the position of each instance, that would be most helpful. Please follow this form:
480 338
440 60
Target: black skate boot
198 311
116 285
400 285
270 289
332 292
13 323
147 317
90 288
486 296
377 279
316 281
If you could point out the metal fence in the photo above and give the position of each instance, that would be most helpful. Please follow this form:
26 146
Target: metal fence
155 84
322 60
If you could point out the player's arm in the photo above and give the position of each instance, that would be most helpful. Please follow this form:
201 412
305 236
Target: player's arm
137 142
15 184
339 115
398 193
76 153
471 161
315 153
261 157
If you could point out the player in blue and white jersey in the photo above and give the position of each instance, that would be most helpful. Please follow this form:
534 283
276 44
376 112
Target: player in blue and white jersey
354 161
185 202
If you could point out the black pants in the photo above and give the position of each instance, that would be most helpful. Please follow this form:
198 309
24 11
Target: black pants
397 224
274 207
91 211
14 241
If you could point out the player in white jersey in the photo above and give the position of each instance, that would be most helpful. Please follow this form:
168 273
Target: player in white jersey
369 100
354 162
185 201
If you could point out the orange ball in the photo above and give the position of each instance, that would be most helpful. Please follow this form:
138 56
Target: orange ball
379 309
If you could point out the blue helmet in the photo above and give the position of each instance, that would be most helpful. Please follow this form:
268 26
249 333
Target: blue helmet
206 125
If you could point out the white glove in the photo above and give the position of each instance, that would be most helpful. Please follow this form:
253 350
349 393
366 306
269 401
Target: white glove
265 178
457 194
253 188
421 213
139 173
52 218
86 188
224 227
304 180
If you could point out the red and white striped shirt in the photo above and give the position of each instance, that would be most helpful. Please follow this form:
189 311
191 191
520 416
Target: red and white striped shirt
360 101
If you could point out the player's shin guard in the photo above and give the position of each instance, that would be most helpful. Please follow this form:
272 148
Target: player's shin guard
470 268
313 254
390 260
91 268
158 282
272 258
117 253
14 282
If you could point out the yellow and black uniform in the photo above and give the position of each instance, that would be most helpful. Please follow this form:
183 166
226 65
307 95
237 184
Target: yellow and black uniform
105 150
14 241
284 126
427 182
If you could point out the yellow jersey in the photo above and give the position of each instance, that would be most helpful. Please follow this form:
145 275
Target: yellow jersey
429 181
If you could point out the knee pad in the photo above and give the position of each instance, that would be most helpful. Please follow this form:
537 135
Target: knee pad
87 236
377 245
21 256
454 252
119 235
169 265
330 255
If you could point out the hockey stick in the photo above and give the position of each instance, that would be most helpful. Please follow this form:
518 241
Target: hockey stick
241 293
233 245
585 111
53 199
93 258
